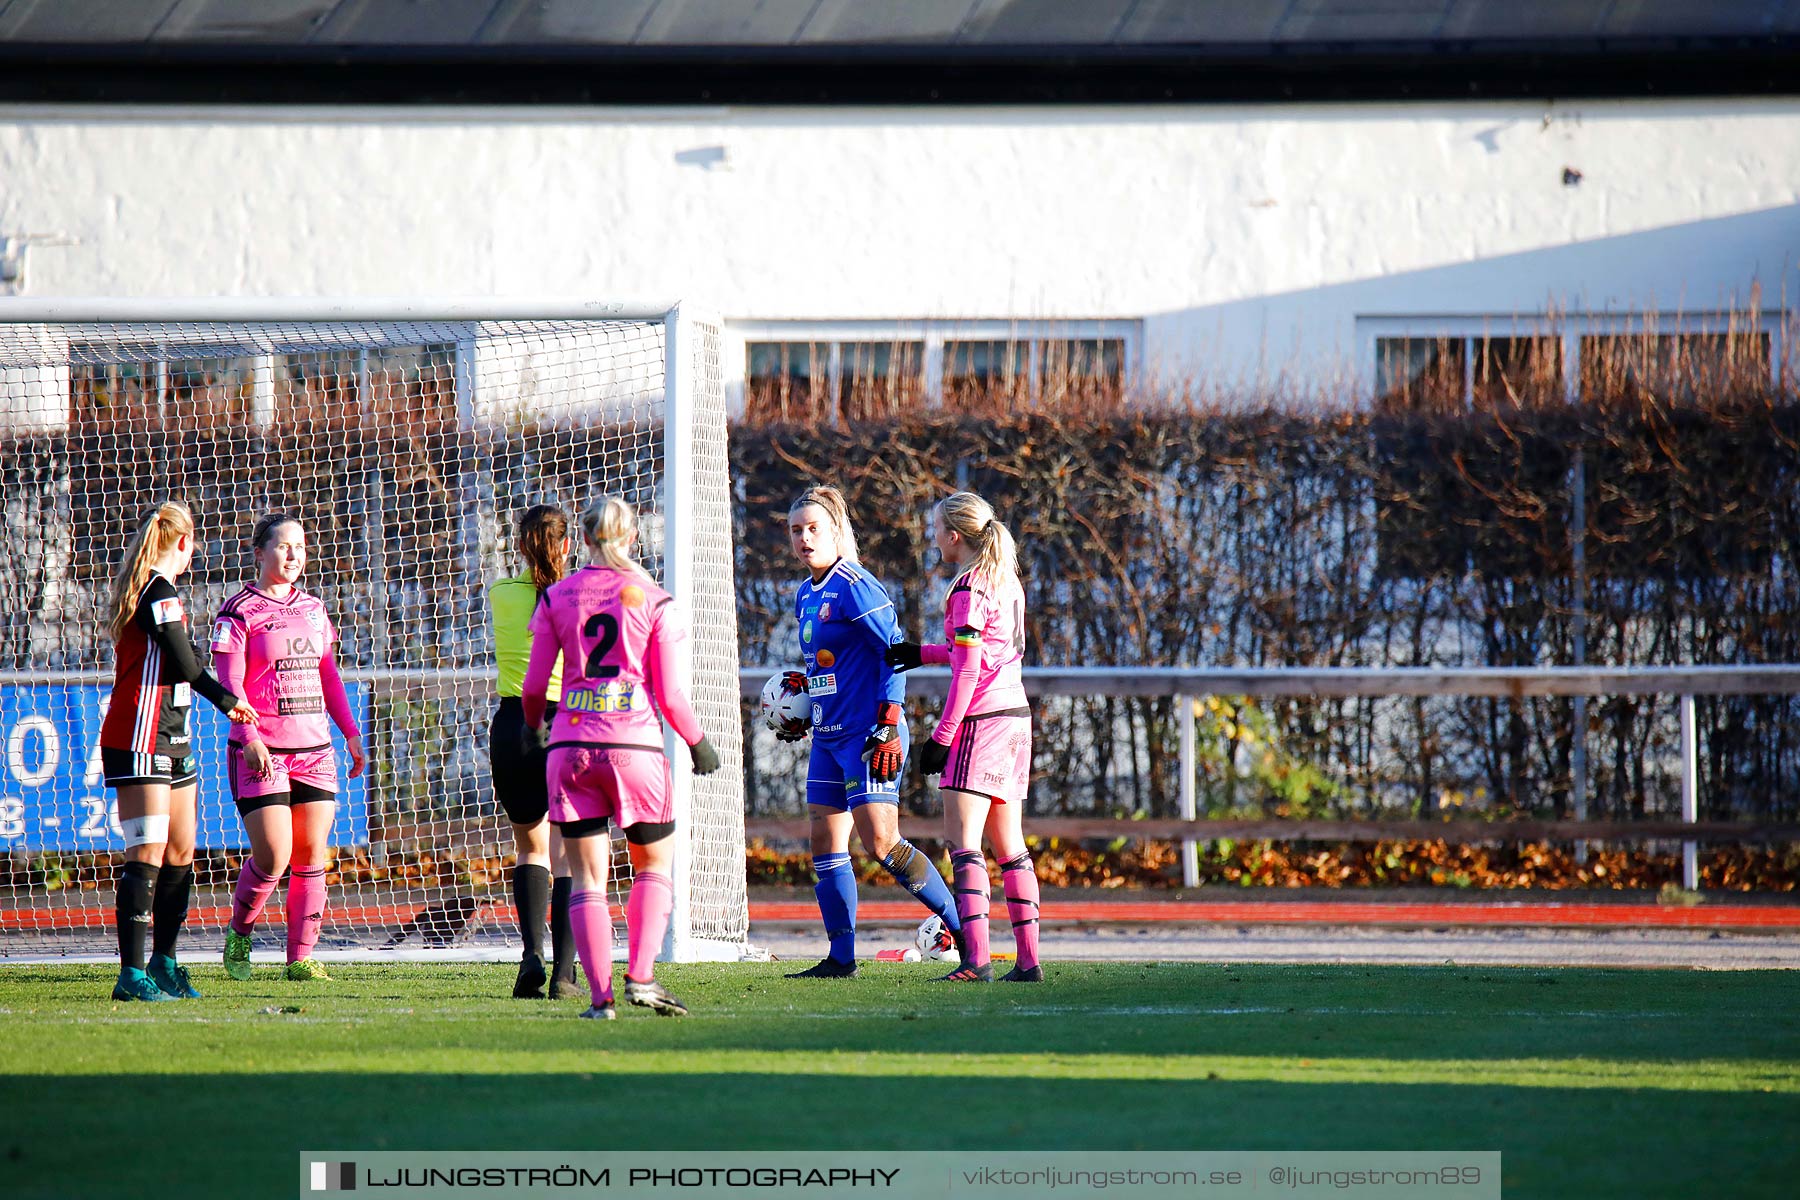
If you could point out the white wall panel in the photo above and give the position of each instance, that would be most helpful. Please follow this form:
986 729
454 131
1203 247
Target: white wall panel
1248 240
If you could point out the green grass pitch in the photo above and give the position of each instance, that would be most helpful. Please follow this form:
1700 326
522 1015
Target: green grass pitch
1591 1082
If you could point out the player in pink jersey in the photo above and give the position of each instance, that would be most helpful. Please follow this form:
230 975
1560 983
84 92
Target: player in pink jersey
618 635
273 646
981 747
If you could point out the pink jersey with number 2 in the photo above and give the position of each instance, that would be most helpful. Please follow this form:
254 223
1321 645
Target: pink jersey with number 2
618 636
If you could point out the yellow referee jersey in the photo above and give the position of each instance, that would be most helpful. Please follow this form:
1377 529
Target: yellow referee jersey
510 605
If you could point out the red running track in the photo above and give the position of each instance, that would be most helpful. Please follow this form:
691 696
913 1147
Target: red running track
1334 912
1415 913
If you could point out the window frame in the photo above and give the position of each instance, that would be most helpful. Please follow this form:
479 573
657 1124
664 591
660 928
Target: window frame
934 334
268 385
1569 328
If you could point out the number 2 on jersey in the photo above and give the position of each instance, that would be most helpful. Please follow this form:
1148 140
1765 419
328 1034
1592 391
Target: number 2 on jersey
605 627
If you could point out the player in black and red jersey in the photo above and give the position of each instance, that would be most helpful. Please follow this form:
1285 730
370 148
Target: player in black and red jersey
146 749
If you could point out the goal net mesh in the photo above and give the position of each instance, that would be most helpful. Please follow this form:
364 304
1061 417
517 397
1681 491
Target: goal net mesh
408 449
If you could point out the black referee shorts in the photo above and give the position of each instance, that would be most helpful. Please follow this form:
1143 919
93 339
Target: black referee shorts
519 783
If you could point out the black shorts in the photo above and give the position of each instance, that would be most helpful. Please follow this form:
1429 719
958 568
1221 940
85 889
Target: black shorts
519 779
644 833
128 766
297 794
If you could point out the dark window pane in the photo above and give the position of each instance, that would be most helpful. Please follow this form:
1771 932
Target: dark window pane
984 364
1523 372
1673 366
1082 369
196 393
113 387
1088 358
316 388
879 379
412 389
211 381
1420 372
786 381
978 373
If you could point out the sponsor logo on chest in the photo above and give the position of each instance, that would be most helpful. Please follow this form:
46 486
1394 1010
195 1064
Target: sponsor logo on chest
283 644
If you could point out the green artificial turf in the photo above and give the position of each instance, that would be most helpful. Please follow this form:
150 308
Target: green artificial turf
1590 1082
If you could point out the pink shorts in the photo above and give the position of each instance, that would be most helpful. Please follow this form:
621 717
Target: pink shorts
314 770
629 784
991 756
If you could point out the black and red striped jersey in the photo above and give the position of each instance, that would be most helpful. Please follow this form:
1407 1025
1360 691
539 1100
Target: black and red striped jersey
155 675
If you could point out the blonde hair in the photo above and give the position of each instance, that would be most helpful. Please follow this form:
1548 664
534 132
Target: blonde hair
610 525
160 530
832 501
972 518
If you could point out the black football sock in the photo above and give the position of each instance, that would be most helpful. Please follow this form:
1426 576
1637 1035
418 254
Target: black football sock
169 907
137 882
531 894
562 936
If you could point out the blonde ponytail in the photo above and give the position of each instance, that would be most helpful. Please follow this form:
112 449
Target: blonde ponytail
996 558
160 530
610 526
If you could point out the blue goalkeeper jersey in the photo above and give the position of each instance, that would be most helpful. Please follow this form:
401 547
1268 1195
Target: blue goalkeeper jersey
847 623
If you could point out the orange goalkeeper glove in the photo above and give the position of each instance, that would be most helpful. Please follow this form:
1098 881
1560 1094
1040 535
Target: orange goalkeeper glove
882 751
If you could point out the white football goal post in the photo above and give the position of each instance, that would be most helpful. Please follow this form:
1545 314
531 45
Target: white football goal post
408 436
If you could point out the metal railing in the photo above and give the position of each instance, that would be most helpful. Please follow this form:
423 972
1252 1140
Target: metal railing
1185 684
1190 683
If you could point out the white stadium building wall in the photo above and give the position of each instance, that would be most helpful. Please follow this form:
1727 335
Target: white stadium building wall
1230 245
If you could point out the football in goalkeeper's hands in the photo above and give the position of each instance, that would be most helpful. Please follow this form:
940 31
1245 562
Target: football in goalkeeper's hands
786 708
935 941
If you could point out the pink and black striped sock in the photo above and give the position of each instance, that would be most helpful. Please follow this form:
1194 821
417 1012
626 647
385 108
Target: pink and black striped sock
973 898
1020 882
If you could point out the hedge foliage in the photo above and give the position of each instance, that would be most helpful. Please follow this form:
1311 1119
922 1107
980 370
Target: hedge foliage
1290 535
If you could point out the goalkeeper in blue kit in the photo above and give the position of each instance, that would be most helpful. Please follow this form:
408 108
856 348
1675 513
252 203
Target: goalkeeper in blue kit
859 731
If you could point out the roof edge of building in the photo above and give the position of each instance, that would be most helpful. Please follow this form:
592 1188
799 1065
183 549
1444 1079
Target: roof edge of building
235 72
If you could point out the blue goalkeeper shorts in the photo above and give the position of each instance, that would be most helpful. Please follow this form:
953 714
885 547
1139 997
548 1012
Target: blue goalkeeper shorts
838 778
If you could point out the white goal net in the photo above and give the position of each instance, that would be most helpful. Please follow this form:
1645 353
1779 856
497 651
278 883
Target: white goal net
408 442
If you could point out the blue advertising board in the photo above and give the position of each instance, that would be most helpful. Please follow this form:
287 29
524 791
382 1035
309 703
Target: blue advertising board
53 797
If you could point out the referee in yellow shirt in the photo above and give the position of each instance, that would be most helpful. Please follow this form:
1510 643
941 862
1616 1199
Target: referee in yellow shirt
517 760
